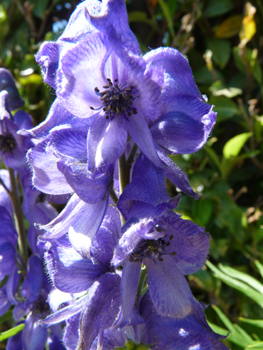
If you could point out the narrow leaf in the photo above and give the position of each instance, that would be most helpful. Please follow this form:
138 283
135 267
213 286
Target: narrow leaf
252 282
257 323
11 332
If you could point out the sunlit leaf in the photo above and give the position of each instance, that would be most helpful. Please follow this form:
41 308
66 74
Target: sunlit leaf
11 332
257 323
234 145
242 287
237 334
256 345
260 267
229 27
242 277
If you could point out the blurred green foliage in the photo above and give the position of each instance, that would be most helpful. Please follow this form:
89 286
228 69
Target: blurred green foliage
223 41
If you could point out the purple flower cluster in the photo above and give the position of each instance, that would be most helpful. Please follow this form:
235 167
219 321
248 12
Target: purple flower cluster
24 285
117 254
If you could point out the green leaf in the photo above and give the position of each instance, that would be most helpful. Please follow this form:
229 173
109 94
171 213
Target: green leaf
237 334
242 287
224 107
260 267
234 145
251 281
215 8
221 50
218 329
11 332
202 211
257 323
256 345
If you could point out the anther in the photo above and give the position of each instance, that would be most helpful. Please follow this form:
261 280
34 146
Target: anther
96 89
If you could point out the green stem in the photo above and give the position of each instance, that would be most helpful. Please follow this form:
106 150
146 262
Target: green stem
142 279
113 195
124 177
124 174
131 157
18 214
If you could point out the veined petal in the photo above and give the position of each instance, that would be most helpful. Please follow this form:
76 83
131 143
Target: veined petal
178 74
168 288
80 219
107 140
34 335
46 176
100 310
186 127
113 22
190 243
57 115
141 135
129 283
70 272
81 233
147 185
90 190
65 313
69 142
33 283
80 72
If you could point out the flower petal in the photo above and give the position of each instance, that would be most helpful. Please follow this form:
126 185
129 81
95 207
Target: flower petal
168 288
100 310
178 75
34 335
141 135
80 72
46 176
107 140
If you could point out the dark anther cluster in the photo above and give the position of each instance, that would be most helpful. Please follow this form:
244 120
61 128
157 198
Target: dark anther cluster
7 143
116 99
150 248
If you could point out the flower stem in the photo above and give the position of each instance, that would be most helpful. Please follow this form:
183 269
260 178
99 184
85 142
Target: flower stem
18 215
124 178
124 175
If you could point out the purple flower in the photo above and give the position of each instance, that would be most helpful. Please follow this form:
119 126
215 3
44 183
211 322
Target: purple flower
35 289
72 272
156 332
7 83
100 76
157 237
13 147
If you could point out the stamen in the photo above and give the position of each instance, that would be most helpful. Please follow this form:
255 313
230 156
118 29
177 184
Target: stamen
7 143
116 98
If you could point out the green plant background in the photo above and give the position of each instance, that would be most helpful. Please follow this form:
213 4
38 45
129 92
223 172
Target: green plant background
223 41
